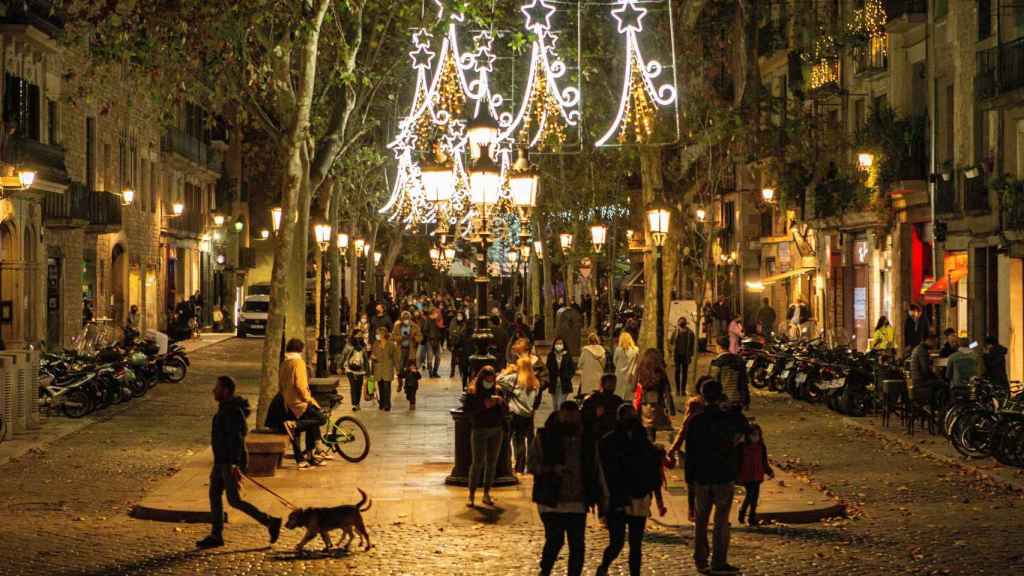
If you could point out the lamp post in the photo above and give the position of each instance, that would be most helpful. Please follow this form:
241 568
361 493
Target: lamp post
658 216
484 188
323 239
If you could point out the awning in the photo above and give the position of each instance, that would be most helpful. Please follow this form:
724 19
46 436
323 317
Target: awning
636 279
786 275
936 292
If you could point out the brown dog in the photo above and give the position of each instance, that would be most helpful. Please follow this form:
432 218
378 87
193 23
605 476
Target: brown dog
348 518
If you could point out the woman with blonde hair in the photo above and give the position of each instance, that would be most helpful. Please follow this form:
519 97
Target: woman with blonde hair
626 354
523 388
592 361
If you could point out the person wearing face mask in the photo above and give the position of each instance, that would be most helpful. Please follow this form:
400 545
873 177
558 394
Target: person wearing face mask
561 369
486 412
356 363
565 485
462 347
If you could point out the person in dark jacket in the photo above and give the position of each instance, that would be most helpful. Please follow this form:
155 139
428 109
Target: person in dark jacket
682 347
712 441
766 318
915 328
227 439
600 408
561 369
487 412
565 486
995 363
631 467
951 344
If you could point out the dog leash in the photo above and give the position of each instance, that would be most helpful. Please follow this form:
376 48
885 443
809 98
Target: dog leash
280 498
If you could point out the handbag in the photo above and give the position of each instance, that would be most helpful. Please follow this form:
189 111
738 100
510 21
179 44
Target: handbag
546 488
371 387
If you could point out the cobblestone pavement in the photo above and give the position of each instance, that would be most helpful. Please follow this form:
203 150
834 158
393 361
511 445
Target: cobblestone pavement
63 510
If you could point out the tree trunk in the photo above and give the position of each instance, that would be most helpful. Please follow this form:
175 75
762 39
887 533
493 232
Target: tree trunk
593 293
394 249
371 266
295 323
650 175
547 302
570 279
352 276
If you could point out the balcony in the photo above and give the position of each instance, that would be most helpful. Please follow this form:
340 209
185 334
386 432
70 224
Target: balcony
191 223
873 58
903 14
45 159
975 194
175 141
1000 70
824 77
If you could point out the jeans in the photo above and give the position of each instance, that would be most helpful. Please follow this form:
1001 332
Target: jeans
310 422
682 371
434 362
221 481
557 397
485 444
558 526
421 356
384 395
355 388
617 524
707 496
403 355
522 437
753 493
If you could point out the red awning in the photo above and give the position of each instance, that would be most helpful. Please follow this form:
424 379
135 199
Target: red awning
936 293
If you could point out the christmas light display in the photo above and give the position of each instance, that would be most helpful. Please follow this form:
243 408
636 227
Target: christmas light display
641 98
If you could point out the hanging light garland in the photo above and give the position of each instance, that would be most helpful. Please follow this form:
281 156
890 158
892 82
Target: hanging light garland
640 99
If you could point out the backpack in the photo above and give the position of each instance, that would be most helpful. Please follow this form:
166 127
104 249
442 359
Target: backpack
355 361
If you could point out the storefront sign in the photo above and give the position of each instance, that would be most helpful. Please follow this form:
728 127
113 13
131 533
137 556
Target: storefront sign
860 303
860 252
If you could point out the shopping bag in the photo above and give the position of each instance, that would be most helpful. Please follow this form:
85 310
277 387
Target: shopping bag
371 387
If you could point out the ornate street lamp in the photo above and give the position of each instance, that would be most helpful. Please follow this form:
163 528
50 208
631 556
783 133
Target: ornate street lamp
658 219
701 215
177 208
127 196
342 243
322 232
484 191
275 218
538 249
865 160
598 235
376 258
239 225
19 180
218 220
565 240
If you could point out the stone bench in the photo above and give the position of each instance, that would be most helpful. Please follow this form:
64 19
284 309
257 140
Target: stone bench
266 450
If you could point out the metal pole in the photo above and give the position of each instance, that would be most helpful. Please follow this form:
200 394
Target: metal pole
482 334
661 300
321 341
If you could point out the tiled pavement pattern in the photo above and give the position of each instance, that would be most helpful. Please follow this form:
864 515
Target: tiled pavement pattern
63 509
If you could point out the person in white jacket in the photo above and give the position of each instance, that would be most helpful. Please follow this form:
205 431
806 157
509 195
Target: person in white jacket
592 361
626 354
523 389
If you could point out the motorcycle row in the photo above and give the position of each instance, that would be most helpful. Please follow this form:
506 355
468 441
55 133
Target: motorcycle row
78 382
980 420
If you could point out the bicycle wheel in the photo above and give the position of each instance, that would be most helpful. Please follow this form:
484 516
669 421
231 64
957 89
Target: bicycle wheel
1009 446
975 433
77 403
349 438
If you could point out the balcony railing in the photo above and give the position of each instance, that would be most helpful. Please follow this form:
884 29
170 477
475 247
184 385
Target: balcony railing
191 222
192 148
874 57
899 8
100 211
824 75
47 160
1000 69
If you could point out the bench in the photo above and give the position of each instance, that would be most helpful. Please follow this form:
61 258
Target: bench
266 451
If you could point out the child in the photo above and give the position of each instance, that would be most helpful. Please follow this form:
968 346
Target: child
409 379
753 468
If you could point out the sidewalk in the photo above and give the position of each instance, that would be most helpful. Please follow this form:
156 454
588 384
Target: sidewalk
411 454
205 339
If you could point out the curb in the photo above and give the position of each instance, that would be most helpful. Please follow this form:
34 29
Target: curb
177 516
1009 483
811 516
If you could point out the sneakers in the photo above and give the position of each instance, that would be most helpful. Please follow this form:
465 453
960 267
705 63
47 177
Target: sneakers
212 541
323 454
703 569
742 516
724 569
307 464
274 528
355 408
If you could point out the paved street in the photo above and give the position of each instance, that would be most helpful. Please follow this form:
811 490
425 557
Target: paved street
64 508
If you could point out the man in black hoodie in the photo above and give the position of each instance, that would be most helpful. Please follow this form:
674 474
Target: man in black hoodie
995 364
229 460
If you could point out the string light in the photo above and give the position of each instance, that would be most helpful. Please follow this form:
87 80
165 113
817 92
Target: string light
640 99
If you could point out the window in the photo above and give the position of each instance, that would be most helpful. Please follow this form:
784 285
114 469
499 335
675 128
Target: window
106 176
153 187
52 122
984 19
90 153
21 106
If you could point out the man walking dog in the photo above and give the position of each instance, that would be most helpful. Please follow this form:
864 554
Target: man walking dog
229 461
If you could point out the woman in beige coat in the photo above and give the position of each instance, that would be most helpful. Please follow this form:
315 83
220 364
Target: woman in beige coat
386 361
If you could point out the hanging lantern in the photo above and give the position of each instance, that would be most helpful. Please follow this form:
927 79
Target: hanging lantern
323 235
275 218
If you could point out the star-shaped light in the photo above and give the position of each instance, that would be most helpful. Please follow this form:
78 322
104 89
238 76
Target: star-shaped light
483 39
538 16
421 57
421 37
457 16
629 17
484 61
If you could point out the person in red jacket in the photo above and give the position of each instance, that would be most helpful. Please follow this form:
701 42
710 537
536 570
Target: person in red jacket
753 468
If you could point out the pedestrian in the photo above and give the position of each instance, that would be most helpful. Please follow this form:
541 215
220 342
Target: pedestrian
652 397
499 336
227 438
561 369
407 333
915 328
592 361
962 365
753 468
766 318
434 334
625 359
523 388
923 381
731 373
712 444
462 349
356 364
994 360
486 412
735 333
631 467
386 365
694 406
565 486
409 381
300 406
454 332
600 408
797 314
883 338
682 352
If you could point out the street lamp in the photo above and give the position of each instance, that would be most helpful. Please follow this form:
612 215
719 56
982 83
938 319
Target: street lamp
376 258
275 218
218 220
342 243
538 249
23 180
701 214
481 132
865 160
768 195
366 250
239 225
358 244
658 219
484 189
127 196
565 240
322 232
598 235
177 208
264 234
